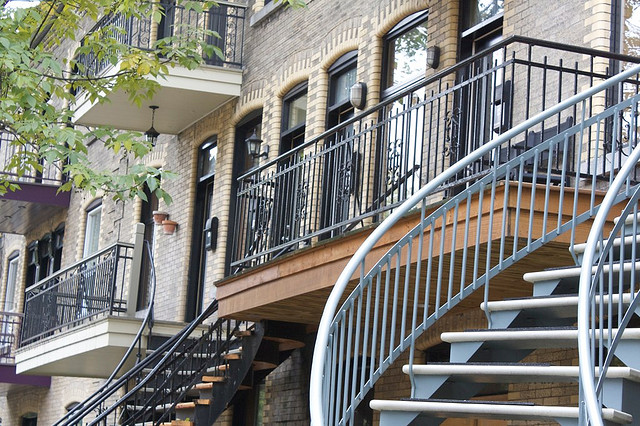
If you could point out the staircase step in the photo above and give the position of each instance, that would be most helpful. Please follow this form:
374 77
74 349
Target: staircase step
628 241
529 338
488 410
213 379
192 404
571 272
513 373
557 306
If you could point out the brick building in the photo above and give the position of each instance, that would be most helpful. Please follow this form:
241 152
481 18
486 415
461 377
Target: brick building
266 235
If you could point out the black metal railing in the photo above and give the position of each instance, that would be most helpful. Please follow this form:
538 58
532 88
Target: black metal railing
9 329
91 287
150 391
13 153
226 19
358 171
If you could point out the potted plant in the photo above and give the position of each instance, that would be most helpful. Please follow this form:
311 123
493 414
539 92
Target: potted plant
159 216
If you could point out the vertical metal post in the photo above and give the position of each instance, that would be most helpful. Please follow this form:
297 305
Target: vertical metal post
136 269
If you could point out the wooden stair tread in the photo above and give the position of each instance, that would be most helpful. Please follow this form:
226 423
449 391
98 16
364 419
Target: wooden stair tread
204 386
263 365
213 379
192 404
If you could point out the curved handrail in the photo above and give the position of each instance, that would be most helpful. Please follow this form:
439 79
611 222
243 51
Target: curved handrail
137 342
320 360
587 288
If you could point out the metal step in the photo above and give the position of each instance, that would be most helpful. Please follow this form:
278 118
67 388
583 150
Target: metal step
403 412
528 338
513 373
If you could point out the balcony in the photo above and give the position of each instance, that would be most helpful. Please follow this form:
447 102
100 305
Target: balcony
184 95
9 332
37 199
313 203
76 322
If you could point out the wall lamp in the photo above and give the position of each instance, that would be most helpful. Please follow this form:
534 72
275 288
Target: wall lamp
433 57
253 145
358 95
152 134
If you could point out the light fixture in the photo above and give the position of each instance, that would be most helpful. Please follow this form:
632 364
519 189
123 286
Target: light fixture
253 145
152 134
433 57
358 95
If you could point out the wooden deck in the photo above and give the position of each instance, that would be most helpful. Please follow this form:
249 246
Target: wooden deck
294 288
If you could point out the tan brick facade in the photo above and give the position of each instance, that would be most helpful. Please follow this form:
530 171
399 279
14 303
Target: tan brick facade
285 48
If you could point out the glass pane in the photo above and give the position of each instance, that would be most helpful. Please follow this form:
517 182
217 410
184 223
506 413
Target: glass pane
480 10
407 56
342 85
297 111
12 275
209 156
92 232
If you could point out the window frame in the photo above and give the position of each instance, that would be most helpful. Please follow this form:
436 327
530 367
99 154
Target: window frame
287 135
93 210
344 64
12 280
401 28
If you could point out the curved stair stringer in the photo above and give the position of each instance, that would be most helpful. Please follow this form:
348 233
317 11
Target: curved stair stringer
353 348
223 392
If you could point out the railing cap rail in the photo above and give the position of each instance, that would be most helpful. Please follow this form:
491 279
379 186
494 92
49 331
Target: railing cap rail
424 81
78 263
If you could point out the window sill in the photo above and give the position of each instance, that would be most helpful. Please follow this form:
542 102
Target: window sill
266 11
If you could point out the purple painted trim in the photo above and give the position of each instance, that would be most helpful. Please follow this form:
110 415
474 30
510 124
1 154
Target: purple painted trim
39 193
8 375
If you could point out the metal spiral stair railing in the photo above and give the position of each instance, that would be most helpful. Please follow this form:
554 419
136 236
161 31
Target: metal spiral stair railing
147 323
605 306
348 359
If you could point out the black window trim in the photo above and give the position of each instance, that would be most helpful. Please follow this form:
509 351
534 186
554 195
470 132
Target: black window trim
404 26
341 65
286 107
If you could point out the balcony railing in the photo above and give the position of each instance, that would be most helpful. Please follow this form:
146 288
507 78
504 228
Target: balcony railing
360 170
91 287
227 19
49 173
9 329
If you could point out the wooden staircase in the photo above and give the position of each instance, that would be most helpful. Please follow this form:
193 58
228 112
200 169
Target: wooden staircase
495 356
258 352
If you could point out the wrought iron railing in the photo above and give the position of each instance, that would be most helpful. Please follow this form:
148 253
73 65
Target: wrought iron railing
91 287
47 173
150 391
455 250
608 297
359 171
226 19
9 329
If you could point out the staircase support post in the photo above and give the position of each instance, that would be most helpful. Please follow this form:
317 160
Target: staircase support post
136 269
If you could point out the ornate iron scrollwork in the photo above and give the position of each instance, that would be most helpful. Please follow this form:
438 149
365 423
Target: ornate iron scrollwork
451 131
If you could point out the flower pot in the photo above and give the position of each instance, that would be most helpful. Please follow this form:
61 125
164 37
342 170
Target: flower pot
159 216
169 226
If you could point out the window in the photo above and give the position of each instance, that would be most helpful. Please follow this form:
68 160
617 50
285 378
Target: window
479 11
342 75
294 116
92 229
12 277
405 52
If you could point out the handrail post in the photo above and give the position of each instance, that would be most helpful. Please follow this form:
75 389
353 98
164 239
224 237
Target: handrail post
136 269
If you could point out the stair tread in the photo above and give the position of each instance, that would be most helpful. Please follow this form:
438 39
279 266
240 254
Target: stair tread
580 248
512 373
192 404
493 410
213 379
541 302
541 336
569 272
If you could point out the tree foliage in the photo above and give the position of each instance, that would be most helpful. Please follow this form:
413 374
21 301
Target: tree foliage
43 51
